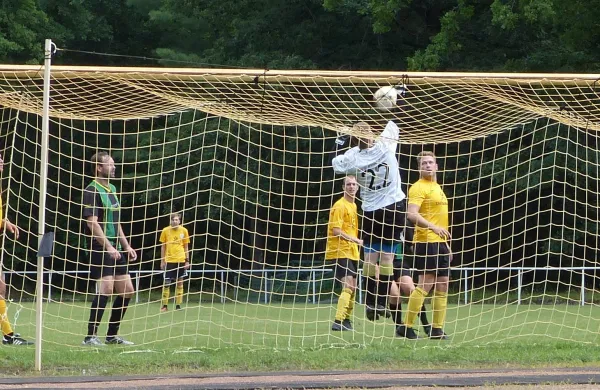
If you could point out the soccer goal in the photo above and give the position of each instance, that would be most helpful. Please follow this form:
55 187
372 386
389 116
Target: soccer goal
244 157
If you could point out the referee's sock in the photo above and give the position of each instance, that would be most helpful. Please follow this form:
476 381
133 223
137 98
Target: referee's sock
118 312
96 313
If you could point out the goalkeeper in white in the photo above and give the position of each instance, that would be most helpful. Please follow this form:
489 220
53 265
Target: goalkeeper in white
375 165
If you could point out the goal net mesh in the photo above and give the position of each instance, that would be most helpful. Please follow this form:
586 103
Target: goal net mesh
244 156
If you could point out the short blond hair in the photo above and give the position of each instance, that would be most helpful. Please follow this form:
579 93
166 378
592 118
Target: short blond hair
349 177
425 153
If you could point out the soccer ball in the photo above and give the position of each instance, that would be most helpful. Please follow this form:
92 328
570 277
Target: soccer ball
385 98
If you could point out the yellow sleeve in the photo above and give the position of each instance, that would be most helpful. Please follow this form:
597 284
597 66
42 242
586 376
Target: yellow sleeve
163 236
416 195
186 237
336 217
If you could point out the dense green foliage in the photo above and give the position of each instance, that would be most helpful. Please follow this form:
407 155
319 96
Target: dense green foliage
521 35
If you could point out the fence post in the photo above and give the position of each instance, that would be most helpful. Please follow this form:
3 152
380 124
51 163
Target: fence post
50 285
359 284
520 283
466 286
266 278
137 286
582 287
314 286
223 287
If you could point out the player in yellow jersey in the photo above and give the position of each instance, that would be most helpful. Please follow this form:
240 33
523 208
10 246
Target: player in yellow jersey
8 336
428 210
175 260
342 250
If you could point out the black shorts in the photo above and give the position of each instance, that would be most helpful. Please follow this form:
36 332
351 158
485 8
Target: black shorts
175 271
384 225
102 265
344 267
401 269
432 257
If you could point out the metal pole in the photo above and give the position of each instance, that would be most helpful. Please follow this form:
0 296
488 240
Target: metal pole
41 218
50 285
583 288
137 286
466 286
223 286
520 279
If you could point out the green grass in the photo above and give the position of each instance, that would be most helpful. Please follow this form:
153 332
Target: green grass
251 337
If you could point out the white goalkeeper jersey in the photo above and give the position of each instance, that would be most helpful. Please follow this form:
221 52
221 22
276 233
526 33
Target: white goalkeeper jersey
376 170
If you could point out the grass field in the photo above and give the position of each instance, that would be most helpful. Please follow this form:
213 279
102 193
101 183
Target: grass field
241 336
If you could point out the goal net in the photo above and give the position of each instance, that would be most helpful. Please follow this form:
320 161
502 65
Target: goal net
244 156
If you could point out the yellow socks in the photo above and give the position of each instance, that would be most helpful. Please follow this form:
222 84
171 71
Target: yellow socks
343 303
4 323
439 305
178 295
165 295
415 301
350 308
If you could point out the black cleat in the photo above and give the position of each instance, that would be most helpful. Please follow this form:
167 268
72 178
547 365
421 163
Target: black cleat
15 340
339 327
404 331
347 324
427 329
178 307
438 334
374 313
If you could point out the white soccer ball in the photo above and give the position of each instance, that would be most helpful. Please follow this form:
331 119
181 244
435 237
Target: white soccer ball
385 98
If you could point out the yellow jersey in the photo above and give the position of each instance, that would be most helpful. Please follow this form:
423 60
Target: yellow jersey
433 206
342 215
175 239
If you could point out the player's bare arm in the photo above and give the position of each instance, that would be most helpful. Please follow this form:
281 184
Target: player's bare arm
340 233
412 213
100 237
11 228
163 254
187 256
131 254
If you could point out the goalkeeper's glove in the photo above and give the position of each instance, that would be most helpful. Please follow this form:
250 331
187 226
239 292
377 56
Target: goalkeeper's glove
341 142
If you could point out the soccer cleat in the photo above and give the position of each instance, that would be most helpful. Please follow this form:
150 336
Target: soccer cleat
347 324
371 314
406 332
163 309
117 340
427 329
339 327
438 334
178 307
92 341
374 313
15 339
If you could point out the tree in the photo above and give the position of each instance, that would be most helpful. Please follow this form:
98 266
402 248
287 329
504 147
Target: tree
523 35
23 27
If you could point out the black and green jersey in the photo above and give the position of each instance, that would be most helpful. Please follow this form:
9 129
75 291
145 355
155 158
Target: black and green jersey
102 202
